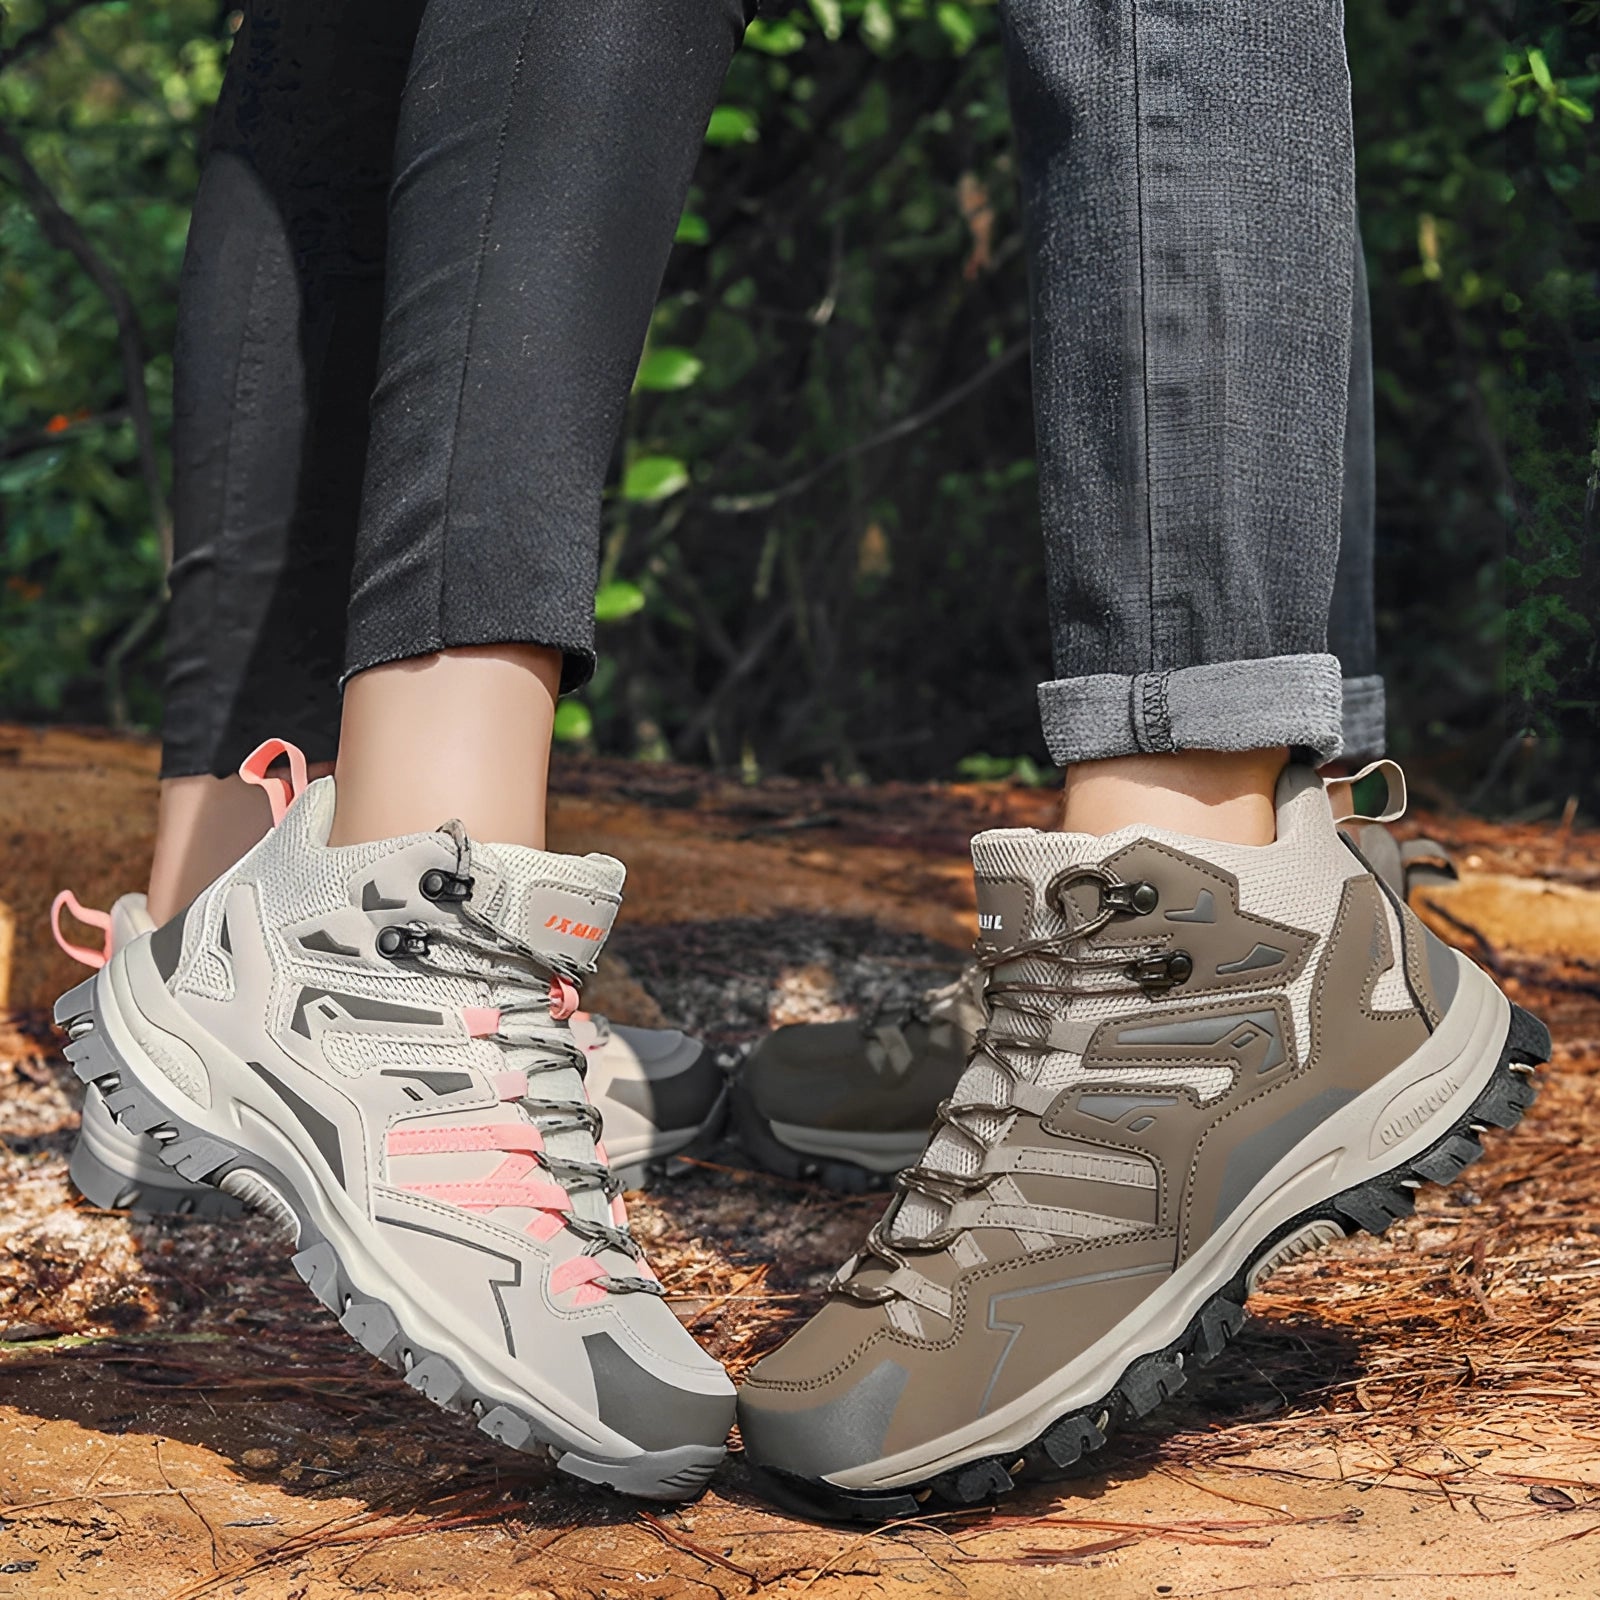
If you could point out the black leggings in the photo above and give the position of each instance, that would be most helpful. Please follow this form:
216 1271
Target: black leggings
422 264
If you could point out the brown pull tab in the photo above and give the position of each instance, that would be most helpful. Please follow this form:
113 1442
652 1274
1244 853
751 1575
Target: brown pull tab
1395 801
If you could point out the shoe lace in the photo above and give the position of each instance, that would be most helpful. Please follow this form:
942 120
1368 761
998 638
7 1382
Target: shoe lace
1120 971
930 1007
532 1042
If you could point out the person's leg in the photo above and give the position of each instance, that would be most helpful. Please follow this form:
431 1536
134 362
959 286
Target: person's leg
1211 1040
279 309
364 1029
1188 185
463 732
203 825
539 176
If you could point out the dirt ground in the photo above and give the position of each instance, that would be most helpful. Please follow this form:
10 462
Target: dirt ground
1417 1416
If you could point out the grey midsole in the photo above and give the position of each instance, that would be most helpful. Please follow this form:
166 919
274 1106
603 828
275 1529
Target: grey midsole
103 1186
877 1152
126 1154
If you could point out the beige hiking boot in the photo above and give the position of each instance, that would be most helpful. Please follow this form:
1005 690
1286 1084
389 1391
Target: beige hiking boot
372 1044
1200 1060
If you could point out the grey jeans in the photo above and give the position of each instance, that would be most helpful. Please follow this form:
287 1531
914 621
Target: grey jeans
1189 192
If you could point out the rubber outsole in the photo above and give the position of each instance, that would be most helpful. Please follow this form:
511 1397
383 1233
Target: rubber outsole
203 1158
755 1136
110 1190
118 1171
1371 1207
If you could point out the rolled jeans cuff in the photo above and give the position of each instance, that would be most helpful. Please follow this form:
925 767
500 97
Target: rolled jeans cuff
1227 705
1365 718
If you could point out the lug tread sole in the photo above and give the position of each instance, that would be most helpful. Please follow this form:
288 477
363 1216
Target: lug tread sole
1057 1452
103 1186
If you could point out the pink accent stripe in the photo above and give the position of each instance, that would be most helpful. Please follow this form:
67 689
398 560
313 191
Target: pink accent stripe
280 794
458 1138
488 1194
544 1227
512 1170
88 916
482 1021
619 1212
572 1272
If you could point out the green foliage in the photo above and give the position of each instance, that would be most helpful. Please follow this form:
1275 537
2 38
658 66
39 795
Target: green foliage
617 599
789 579
573 723
1023 770
667 369
110 115
1480 196
653 478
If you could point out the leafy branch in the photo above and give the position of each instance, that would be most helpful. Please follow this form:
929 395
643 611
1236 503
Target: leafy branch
64 231
761 500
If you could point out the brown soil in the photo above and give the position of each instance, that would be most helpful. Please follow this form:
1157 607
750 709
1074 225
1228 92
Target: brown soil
1415 1416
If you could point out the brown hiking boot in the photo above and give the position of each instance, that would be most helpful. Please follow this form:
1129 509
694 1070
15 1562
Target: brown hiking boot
849 1104
1200 1060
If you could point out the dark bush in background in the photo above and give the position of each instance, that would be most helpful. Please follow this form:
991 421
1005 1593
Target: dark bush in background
822 551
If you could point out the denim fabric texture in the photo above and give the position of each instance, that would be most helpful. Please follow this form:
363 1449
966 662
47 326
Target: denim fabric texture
279 309
424 255
1189 190
1352 620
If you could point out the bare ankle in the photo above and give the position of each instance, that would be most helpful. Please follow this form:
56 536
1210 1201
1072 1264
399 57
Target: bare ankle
1208 794
463 733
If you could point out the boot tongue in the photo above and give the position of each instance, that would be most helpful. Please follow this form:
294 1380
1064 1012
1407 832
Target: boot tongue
560 906
1013 870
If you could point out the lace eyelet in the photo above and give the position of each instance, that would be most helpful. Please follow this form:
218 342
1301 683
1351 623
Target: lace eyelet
1155 974
1132 899
437 884
396 943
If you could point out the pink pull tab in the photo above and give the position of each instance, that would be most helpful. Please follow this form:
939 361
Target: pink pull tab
563 997
280 794
90 918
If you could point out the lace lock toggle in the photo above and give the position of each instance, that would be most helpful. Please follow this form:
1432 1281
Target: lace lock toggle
437 884
1155 974
398 942
1132 899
